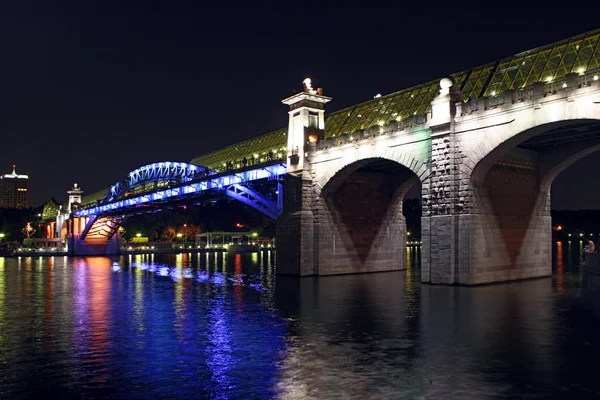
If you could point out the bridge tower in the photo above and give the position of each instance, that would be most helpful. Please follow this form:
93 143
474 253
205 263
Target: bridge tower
74 197
295 227
306 124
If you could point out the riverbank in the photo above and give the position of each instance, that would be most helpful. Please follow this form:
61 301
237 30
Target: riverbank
143 250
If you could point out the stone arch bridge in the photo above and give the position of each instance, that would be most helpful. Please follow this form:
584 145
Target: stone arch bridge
484 145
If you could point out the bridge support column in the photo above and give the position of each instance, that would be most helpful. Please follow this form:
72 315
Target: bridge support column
295 229
90 246
94 247
440 224
491 231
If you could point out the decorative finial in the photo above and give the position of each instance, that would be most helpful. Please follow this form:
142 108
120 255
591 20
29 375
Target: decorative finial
445 85
308 86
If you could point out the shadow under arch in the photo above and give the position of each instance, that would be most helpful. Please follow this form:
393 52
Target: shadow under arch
361 225
511 197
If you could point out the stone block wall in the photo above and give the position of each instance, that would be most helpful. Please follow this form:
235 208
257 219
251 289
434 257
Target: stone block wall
361 227
439 220
507 234
295 229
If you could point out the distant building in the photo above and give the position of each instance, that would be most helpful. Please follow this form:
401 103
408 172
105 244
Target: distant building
14 190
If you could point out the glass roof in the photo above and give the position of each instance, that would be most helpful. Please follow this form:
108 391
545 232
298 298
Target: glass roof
93 197
573 55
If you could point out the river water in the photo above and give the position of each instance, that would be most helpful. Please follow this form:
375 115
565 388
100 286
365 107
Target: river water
223 326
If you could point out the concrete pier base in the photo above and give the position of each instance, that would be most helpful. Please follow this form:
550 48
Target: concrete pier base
94 247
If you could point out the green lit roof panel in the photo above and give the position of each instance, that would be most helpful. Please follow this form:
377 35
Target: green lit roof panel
574 55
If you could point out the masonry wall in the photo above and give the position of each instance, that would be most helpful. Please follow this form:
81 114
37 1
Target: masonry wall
296 244
509 230
360 226
439 220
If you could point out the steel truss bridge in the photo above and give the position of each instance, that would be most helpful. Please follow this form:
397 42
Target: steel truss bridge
170 182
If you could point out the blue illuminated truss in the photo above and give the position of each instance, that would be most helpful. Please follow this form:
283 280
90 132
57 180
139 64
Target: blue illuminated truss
155 175
194 180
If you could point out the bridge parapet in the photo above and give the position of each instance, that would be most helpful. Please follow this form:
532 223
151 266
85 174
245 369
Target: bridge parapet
417 121
526 96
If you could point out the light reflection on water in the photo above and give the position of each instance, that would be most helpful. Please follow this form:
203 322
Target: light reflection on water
224 326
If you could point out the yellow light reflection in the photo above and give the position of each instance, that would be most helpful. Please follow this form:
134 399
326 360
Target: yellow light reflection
560 268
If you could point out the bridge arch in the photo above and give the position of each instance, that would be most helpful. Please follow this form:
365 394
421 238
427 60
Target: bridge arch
510 190
353 160
361 226
152 177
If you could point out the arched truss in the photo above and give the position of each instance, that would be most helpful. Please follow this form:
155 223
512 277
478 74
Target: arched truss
102 227
154 174
234 185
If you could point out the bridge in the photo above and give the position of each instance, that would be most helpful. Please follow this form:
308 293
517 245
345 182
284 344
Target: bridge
484 145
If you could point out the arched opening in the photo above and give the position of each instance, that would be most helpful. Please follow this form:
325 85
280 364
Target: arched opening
511 231
361 224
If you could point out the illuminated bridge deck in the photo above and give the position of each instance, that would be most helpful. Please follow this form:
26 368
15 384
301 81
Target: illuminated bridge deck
220 181
578 54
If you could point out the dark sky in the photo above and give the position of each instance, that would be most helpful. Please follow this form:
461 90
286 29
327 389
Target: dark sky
91 90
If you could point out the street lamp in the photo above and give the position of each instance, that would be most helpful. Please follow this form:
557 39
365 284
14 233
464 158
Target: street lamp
138 235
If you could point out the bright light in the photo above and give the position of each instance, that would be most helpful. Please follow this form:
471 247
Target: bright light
407 233
138 235
559 228
1 235
595 77
179 235
254 234
378 95
581 70
564 85
581 235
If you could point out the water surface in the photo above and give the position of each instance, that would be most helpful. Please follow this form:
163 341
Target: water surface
223 326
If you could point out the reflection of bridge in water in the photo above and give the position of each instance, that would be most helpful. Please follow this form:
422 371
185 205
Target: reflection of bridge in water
484 145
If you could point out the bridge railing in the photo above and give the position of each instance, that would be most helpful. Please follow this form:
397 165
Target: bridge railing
374 131
537 90
214 181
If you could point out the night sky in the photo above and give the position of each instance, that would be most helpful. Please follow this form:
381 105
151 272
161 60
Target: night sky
92 90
